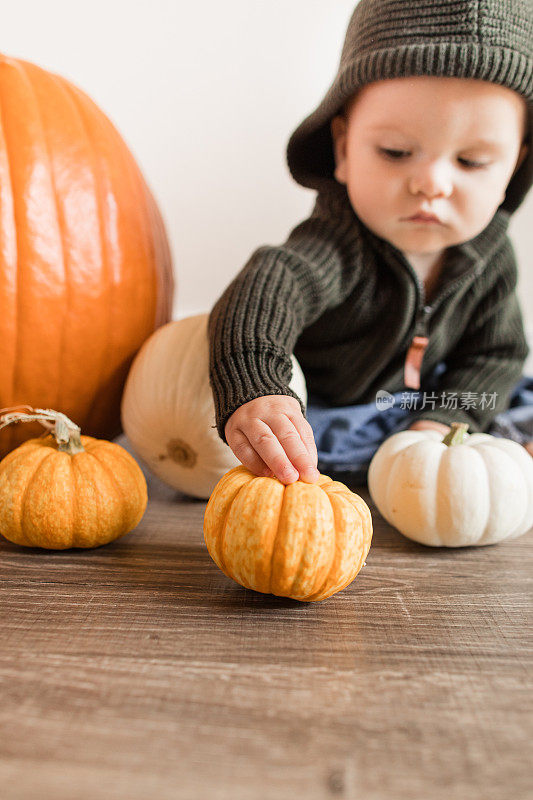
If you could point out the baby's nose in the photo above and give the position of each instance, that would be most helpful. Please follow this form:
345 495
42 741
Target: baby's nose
431 180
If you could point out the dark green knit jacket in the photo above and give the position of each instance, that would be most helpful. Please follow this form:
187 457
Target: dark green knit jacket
347 302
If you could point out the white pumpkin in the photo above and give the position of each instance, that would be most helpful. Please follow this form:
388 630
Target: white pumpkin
168 413
476 490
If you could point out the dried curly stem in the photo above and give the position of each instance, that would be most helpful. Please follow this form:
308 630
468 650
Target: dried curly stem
67 434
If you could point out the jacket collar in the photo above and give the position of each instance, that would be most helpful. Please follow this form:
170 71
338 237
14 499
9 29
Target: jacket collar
471 256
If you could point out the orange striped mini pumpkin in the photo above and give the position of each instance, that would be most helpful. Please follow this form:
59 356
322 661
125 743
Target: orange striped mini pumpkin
66 490
305 541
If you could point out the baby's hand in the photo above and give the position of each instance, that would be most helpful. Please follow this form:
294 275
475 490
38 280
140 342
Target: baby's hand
429 425
272 438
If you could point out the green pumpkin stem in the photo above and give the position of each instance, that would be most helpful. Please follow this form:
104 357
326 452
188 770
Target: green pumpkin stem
457 434
67 434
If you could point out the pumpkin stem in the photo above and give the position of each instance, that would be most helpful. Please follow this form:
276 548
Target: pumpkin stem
67 434
457 434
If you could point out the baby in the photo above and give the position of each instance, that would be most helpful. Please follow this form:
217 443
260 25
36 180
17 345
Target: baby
419 153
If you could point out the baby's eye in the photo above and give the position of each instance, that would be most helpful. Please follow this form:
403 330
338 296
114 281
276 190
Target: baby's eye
466 162
395 155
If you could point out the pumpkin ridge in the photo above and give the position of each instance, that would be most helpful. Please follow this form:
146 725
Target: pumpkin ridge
77 478
21 456
140 192
103 239
332 565
60 228
139 186
164 294
313 598
16 238
275 541
15 456
222 536
298 570
138 196
300 564
118 454
105 468
13 466
481 448
365 519
321 593
440 481
28 483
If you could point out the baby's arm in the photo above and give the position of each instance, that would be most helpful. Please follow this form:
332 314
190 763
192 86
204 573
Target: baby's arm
271 437
254 326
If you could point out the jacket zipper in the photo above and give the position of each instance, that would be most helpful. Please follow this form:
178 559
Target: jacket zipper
420 338
416 350
419 341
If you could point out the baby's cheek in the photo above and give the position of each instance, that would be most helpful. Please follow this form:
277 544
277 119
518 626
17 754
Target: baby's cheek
474 217
479 201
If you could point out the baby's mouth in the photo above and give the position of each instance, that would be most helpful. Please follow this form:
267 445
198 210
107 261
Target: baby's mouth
424 217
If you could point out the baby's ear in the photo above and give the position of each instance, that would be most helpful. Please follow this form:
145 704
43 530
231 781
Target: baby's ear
338 135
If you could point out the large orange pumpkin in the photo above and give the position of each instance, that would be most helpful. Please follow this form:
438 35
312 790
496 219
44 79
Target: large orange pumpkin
85 268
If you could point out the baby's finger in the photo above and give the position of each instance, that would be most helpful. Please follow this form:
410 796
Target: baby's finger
267 445
295 448
247 455
306 434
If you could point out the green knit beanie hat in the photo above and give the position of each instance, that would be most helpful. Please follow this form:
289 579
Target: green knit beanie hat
491 40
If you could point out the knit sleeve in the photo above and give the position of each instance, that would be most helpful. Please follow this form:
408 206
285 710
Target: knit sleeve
487 362
254 325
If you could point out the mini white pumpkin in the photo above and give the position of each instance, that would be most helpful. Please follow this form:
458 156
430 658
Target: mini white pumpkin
463 489
168 413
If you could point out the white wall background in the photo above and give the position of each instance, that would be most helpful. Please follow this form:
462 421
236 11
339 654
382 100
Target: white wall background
206 96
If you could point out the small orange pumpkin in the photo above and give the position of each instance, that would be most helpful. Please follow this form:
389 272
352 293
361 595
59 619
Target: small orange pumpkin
303 540
67 490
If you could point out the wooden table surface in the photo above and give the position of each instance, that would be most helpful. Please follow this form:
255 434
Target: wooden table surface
138 670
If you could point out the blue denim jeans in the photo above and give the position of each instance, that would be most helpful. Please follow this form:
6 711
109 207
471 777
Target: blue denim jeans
348 436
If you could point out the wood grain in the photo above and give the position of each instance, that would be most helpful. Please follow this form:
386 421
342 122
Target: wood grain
139 669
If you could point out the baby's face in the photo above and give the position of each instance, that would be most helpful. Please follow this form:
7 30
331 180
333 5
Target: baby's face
443 146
